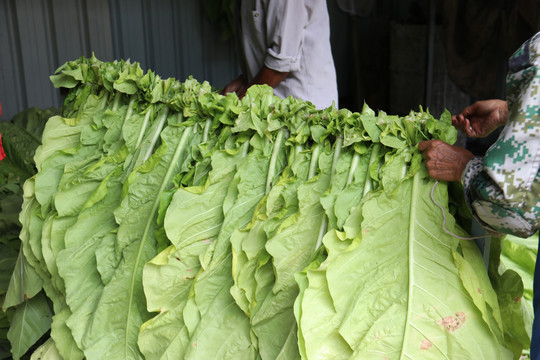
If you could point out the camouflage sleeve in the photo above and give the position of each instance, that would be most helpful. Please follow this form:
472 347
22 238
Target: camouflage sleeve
503 188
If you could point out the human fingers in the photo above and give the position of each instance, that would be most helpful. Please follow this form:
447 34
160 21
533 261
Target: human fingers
430 156
455 119
479 127
444 161
470 126
458 119
467 127
229 88
429 149
423 145
462 123
234 86
241 91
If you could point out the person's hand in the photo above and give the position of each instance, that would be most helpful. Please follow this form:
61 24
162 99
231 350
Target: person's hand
269 77
481 118
443 161
238 85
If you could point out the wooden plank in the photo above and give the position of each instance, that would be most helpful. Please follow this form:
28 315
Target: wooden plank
12 96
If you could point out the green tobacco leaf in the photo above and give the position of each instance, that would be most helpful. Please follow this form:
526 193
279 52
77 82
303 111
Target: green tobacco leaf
222 321
63 337
517 324
251 267
64 81
520 255
46 351
24 284
7 264
300 231
253 272
19 146
192 223
30 322
511 270
316 316
422 308
168 221
165 336
32 225
116 324
78 259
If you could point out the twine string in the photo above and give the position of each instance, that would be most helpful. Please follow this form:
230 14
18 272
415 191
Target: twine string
444 219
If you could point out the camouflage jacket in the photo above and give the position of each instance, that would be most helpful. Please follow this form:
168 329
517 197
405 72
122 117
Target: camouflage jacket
503 188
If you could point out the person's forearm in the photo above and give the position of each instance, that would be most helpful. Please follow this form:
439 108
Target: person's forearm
268 76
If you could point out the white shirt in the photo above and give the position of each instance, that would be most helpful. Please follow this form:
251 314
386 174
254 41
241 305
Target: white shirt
291 36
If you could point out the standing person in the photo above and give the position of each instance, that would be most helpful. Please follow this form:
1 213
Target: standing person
286 44
502 188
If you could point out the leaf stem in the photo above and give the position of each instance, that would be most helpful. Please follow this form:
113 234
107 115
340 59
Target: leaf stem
157 198
354 164
324 222
411 261
374 156
245 149
130 109
116 103
142 131
314 160
206 130
155 137
337 152
273 160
